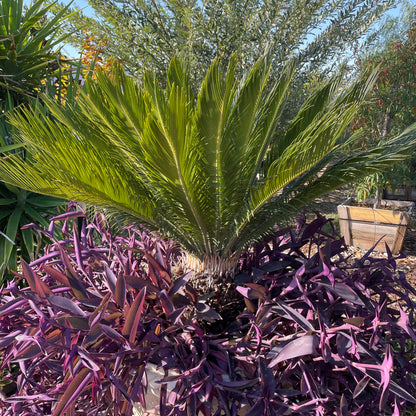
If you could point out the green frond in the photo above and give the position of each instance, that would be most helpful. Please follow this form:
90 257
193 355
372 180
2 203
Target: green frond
210 171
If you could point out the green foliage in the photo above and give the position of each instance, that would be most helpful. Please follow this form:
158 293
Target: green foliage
392 104
146 34
369 186
207 170
28 48
30 62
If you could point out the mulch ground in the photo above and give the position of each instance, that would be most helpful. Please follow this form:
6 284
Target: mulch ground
328 206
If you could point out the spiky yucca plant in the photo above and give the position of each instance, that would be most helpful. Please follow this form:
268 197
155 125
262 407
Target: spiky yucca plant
30 63
214 172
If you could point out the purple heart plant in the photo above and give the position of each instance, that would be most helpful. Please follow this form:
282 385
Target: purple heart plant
83 328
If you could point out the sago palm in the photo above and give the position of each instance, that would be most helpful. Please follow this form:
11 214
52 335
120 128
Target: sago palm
214 172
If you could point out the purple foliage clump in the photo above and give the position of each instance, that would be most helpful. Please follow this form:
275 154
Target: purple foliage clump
84 327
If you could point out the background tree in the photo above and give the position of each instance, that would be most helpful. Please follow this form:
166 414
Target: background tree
391 106
30 63
145 34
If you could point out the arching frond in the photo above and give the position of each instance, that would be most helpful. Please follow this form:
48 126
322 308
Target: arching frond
210 170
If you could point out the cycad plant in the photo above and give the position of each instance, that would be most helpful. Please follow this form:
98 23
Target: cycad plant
215 172
30 63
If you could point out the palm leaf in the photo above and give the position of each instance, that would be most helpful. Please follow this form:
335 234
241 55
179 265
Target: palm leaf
210 171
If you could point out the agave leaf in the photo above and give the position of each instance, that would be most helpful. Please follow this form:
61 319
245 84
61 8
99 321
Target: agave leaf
27 235
11 232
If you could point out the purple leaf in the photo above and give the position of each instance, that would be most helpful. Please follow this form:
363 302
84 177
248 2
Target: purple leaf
73 278
68 215
179 283
292 314
239 384
360 387
133 316
304 345
65 304
343 406
267 379
111 279
405 324
120 291
12 306
243 290
206 313
256 291
157 273
344 292
386 368
139 283
167 304
77 247
34 281
31 351
112 334
78 383
74 322
257 409
7 340
175 316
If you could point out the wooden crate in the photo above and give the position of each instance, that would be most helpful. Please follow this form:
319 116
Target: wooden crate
363 227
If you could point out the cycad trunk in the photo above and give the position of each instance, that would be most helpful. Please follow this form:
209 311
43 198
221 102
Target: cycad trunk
213 276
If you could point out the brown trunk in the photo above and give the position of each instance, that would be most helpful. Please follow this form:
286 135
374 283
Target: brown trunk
386 125
213 276
377 203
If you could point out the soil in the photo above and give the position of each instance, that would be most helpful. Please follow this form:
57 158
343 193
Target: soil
328 206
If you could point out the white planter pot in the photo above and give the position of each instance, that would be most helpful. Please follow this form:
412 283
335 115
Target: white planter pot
153 394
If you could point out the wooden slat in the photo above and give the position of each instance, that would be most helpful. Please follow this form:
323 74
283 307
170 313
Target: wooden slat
363 227
374 215
344 224
401 232
366 235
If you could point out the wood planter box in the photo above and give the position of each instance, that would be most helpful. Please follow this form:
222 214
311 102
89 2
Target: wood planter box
362 227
